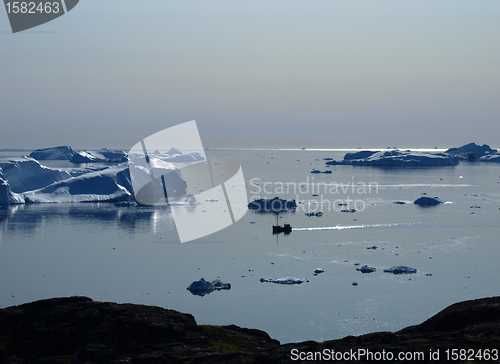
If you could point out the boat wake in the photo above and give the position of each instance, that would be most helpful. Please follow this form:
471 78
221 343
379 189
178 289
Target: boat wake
350 227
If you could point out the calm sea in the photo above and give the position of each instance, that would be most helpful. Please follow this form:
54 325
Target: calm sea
131 254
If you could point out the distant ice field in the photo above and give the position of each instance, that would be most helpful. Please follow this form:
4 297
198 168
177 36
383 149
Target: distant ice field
130 254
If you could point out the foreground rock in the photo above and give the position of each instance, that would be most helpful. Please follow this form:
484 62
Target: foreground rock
79 330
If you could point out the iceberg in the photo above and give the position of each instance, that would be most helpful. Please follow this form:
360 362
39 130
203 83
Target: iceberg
8 197
109 184
25 180
103 155
396 158
275 204
27 174
203 287
471 151
490 158
401 269
55 153
366 269
427 201
287 280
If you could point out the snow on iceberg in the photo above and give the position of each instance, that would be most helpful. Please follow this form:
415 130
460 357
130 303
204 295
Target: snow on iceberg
108 184
55 153
396 158
26 180
149 180
103 155
471 151
490 158
427 201
287 280
203 287
27 174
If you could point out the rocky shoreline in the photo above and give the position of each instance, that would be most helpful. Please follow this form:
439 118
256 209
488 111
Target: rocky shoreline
80 330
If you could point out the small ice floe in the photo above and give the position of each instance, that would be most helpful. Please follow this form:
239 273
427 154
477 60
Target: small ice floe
366 269
400 269
203 287
318 271
318 214
287 280
190 200
428 201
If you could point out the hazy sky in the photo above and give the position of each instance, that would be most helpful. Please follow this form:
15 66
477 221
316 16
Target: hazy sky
267 73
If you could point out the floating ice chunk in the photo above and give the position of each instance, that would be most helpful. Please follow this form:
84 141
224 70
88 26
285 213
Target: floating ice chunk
203 287
428 201
366 269
287 280
471 151
401 269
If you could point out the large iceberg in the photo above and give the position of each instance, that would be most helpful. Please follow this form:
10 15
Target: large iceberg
26 180
396 158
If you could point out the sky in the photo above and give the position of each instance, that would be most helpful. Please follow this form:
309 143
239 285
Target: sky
273 74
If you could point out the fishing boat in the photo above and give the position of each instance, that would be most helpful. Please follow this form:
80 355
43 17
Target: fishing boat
286 229
277 229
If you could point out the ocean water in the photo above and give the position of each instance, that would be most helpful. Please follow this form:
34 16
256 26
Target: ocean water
132 254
